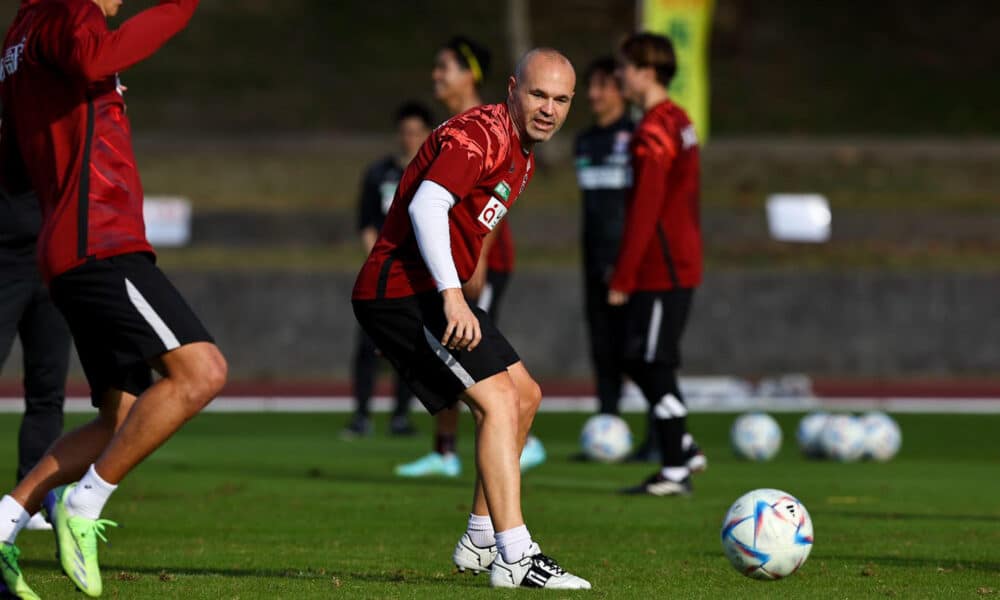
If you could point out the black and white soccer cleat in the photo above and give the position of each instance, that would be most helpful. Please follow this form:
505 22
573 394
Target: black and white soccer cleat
658 485
534 570
694 458
470 557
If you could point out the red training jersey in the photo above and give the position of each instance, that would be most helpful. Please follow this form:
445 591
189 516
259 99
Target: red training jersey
64 131
501 256
477 156
661 242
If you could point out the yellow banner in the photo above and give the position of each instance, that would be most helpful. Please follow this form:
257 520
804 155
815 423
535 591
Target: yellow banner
688 24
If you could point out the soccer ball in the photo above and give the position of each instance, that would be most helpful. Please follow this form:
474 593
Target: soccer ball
606 438
808 434
755 436
843 438
882 436
767 534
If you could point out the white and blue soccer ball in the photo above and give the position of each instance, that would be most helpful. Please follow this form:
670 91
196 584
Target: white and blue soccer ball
606 438
755 436
808 434
843 438
882 436
767 534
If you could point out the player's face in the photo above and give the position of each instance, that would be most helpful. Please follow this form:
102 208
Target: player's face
634 80
109 7
541 100
449 78
604 94
412 133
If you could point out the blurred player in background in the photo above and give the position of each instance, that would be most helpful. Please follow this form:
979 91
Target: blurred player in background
460 68
604 174
65 134
660 260
26 310
413 124
409 298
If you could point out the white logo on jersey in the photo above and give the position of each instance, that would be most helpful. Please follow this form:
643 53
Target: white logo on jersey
493 213
11 59
689 137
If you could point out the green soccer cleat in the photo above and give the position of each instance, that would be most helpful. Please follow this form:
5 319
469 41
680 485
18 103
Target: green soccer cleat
13 583
76 538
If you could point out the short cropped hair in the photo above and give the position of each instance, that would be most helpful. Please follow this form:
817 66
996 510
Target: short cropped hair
471 56
651 50
414 110
605 66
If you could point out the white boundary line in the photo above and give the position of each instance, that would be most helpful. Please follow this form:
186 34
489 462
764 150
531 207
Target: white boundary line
583 404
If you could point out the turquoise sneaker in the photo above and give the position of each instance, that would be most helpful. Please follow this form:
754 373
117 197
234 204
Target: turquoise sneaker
12 583
533 454
445 465
76 538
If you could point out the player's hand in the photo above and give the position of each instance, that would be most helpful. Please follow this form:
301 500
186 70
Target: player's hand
617 298
462 332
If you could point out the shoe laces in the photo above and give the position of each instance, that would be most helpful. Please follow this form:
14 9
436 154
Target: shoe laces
10 558
96 527
549 563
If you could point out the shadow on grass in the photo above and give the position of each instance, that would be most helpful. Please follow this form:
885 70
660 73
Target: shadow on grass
131 572
918 562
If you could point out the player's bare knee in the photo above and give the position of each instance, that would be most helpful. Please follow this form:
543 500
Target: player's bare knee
202 377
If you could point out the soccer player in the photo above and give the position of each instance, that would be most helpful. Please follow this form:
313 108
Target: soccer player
408 298
604 174
65 134
413 124
26 310
460 68
660 260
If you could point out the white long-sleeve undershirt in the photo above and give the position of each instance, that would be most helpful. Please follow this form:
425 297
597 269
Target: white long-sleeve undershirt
429 215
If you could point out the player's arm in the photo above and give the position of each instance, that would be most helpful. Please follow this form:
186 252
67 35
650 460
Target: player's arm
473 288
89 49
429 215
651 162
369 207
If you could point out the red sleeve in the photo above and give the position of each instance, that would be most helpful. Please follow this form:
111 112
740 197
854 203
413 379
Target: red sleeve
652 157
462 157
86 47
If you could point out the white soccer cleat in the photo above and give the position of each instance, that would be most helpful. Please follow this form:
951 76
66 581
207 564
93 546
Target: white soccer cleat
38 523
470 557
534 570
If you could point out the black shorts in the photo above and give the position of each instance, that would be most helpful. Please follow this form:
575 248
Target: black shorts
408 331
123 312
654 323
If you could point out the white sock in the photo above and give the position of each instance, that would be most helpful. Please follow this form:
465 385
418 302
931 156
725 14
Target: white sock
686 442
513 544
13 518
675 473
88 498
480 531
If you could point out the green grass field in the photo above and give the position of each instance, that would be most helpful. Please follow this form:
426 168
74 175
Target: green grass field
275 506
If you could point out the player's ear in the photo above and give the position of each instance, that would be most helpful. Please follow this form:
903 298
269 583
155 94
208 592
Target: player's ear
511 85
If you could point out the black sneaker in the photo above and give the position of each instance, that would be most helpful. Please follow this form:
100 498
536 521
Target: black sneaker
658 485
360 426
400 426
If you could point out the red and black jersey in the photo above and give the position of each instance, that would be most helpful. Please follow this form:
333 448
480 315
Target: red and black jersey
64 130
661 244
501 256
477 156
